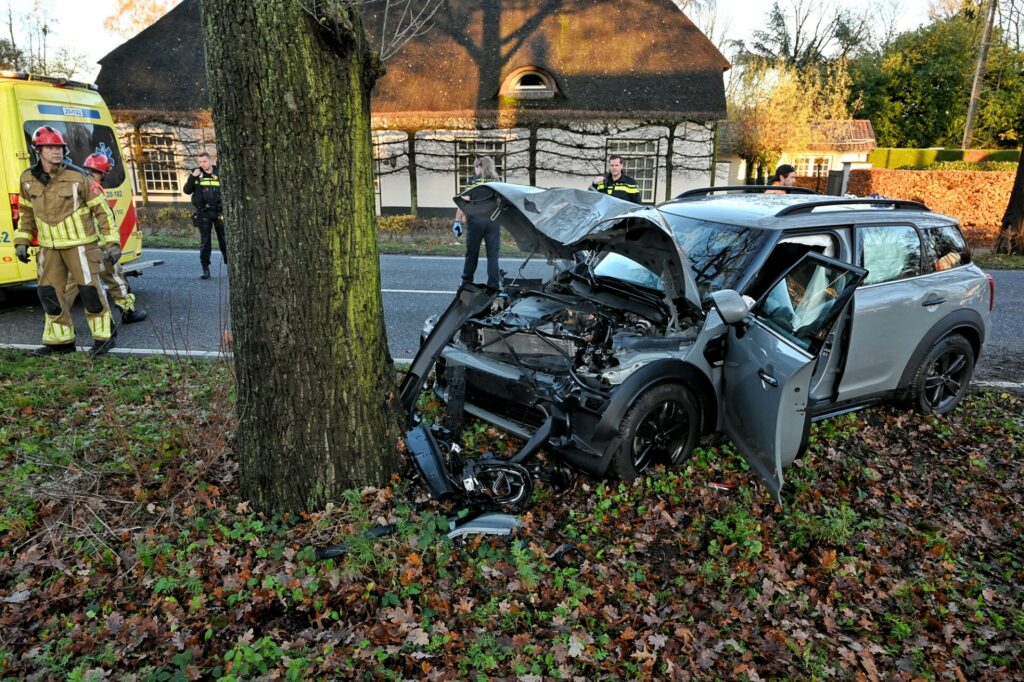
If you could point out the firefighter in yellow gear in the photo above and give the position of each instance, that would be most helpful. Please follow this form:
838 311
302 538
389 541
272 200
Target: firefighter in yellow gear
98 165
62 210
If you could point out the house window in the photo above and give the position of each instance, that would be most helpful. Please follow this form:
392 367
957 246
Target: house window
640 161
812 166
529 83
159 170
468 151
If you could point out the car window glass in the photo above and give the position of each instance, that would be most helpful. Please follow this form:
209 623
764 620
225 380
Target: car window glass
83 139
799 305
890 252
947 247
719 254
620 267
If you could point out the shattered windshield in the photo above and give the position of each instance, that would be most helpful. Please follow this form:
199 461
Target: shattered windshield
719 254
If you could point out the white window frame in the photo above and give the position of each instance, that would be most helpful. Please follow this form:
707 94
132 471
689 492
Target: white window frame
468 150
813 166
158 169
640 159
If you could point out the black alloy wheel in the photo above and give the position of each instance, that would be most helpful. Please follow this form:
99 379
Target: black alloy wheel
661 427
944 376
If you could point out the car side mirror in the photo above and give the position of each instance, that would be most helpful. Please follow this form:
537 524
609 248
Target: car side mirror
730 306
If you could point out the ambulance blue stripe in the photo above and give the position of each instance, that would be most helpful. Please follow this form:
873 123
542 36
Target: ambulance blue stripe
80 112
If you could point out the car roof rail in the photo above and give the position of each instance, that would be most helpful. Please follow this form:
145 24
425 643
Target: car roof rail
746 189
895 204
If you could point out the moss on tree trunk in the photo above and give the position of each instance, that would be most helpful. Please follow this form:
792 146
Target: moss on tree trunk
315 380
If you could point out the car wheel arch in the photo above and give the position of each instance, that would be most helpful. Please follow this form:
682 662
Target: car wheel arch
966 323
650 375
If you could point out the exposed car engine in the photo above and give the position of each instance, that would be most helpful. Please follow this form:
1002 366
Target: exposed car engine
577 324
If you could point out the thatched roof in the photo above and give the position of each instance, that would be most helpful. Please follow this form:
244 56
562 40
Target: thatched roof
848 135
608 59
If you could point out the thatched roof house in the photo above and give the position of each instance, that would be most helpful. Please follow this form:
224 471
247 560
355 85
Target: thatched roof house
481 61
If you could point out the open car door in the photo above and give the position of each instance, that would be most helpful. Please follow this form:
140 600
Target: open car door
770 359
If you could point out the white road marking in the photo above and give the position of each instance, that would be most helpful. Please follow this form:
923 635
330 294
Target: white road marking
510 259
417 291
137 352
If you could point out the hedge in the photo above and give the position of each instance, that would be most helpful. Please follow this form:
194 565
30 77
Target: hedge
889 157
978 200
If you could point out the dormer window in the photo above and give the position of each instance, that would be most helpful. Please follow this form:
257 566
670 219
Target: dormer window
529 83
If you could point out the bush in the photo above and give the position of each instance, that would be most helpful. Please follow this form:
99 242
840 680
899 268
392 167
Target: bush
174 220
967 166
893 158
977 200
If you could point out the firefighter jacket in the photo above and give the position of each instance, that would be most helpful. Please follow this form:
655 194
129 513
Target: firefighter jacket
205 190
623 188
63 209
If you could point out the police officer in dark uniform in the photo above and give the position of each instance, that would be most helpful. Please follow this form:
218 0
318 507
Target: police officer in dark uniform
617 183
204 186
481 229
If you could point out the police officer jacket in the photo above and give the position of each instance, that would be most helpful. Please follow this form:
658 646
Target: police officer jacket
623 188
63 209
205 190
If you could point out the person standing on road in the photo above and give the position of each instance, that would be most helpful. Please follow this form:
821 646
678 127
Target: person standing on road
204 186
616 183
98 164
481 228
61 208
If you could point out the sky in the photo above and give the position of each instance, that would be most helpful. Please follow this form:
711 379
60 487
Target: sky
80 22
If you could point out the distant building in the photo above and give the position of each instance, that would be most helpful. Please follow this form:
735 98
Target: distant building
834 143
549 89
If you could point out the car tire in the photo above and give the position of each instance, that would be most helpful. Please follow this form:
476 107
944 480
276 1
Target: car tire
662 425
943 377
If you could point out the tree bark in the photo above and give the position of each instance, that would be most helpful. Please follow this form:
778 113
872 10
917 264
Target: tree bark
414 191
290 102
1011 233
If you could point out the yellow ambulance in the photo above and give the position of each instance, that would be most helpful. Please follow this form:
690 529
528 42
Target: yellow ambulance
78 112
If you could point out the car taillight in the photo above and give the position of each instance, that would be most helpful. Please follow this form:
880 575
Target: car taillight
15 210
991 291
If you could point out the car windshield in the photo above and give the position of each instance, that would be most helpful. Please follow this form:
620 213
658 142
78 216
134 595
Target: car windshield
719 254
620 267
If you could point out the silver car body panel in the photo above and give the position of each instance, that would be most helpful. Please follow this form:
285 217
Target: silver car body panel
890 318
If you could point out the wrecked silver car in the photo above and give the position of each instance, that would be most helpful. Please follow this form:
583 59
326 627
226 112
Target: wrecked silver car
700 316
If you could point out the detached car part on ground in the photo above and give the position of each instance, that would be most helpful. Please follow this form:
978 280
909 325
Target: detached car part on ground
739 314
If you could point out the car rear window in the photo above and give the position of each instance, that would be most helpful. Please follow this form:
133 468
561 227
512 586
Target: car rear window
945 248
83 139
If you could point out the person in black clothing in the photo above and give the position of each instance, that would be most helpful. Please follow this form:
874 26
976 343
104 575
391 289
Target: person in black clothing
204 186
481 229
617 183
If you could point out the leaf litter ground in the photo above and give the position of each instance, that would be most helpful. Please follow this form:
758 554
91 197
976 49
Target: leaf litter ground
126 553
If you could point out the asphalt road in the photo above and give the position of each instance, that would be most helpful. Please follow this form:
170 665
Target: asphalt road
188 314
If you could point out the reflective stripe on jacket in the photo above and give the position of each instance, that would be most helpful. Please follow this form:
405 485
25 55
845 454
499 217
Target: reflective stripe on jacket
63 209
623 188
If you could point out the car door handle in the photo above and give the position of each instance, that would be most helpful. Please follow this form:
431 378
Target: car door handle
768 378
934 301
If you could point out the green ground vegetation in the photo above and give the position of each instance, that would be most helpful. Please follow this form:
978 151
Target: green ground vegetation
127 553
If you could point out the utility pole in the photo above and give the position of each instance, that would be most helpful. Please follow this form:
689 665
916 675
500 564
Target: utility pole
979 72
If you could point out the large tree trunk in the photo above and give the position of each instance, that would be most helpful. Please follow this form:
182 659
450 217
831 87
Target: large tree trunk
1011 234
315 380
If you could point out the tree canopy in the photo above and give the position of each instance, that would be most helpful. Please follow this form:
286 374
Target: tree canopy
915 89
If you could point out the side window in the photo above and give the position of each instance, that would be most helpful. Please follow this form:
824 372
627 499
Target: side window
802 304
889 253
946 248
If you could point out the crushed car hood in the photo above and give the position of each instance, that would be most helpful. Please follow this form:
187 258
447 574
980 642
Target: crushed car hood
560 222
